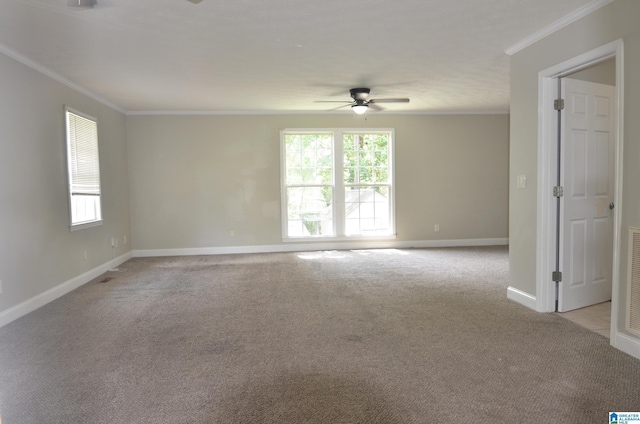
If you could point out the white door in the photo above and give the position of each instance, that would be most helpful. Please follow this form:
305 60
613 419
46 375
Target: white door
588 180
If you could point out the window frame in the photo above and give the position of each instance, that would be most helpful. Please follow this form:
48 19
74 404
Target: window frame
73 224
339 185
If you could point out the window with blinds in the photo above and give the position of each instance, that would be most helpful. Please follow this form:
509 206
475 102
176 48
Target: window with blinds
83 170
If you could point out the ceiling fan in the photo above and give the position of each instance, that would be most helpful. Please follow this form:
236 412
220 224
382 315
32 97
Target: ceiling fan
195 1
361 101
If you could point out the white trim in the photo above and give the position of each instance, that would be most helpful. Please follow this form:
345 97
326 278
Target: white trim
308 112
627 344
521 297
57 77
90 224
619 340
557 25
545 214
303 247
617 337
60 290
331 239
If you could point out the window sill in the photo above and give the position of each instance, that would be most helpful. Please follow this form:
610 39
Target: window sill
84 225
338 239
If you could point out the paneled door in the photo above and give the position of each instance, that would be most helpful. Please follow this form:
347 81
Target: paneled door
588 171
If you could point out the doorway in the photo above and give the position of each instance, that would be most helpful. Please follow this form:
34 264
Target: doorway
587 175
548 291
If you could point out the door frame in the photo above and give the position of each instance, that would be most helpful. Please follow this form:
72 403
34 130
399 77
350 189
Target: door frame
547 172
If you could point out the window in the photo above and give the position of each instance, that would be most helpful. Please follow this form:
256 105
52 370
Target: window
337 183
83 170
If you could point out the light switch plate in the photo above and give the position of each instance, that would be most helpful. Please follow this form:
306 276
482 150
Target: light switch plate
522 181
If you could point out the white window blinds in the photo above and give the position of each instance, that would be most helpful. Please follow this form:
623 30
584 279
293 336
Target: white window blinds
84 168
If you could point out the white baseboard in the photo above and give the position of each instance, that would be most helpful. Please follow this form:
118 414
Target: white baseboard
302 247
521 297
628 344
50 295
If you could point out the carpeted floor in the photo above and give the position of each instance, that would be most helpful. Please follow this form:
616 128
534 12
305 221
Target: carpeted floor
378 336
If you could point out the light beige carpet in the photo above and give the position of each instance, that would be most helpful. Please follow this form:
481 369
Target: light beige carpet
380 336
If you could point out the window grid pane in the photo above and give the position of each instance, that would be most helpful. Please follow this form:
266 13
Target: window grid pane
367 209
310 211
309 159
366 158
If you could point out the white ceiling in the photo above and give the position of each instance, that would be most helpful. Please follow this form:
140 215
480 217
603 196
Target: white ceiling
280 55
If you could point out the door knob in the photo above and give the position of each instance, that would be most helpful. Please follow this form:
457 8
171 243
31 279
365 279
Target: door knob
611 205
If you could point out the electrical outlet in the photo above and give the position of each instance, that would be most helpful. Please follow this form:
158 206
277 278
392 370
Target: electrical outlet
113 242
436 228
232 233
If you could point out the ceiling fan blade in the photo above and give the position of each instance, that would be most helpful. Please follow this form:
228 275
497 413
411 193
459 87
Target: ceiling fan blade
405 100
339 107
333 101
375 107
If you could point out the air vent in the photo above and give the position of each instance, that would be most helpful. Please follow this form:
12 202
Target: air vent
633 295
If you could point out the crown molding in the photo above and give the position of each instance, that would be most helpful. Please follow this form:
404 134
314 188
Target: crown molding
557 25
307 112
57 77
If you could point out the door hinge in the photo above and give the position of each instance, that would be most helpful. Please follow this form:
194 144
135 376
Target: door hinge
556 276
558 104
558 191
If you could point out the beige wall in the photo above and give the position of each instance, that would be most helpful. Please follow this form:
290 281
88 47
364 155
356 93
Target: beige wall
618 19
37 250
195 178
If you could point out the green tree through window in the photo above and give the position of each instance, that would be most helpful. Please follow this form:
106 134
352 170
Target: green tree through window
333 196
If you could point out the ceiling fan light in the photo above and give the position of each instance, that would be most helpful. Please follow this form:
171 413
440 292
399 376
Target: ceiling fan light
81 3
360 108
